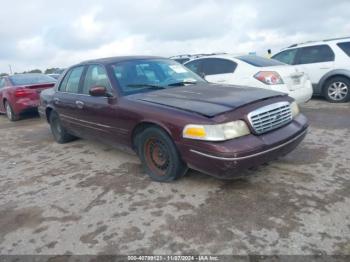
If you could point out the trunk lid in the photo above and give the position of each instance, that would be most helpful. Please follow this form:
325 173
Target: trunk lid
40 87
291 76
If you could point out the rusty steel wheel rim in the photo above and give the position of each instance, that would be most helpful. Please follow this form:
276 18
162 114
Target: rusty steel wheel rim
56 127
157 156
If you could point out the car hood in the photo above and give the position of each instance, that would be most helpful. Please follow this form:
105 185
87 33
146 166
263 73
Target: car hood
207 99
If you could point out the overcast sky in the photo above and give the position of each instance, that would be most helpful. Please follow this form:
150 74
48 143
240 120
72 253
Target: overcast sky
42 34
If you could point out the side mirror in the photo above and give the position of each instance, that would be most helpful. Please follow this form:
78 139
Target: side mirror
202 75
98 91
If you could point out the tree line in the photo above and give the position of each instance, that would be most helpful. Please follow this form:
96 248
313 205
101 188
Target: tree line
47 71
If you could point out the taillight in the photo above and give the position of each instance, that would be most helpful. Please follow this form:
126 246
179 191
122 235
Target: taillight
269 77
22 92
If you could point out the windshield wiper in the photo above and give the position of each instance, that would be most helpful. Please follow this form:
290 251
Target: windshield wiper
145 85
182 83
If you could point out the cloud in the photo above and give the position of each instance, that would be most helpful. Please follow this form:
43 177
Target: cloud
43 34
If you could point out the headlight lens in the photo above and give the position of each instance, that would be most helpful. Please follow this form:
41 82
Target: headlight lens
295 109
219 132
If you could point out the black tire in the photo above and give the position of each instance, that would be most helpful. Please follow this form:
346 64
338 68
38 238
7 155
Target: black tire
11 115
159 155
59 132
337 89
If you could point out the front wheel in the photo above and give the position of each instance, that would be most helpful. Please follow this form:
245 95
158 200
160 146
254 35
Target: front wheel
11 115
159 155
337 90
59 132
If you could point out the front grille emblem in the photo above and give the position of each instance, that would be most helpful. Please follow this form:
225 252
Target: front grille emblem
270 117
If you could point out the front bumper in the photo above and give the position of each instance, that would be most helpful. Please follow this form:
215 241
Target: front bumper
227 159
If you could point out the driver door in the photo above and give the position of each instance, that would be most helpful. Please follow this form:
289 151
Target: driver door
99 114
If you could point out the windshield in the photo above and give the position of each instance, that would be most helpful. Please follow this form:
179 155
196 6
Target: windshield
259 61
31 79
146 75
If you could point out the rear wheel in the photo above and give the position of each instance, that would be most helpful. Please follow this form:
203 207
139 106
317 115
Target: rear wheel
59 132
337 90
11 115
159 155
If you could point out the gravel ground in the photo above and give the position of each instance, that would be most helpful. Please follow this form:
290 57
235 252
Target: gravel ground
87 198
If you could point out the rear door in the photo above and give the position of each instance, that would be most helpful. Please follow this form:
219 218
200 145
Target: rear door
65 100
218 70
316 61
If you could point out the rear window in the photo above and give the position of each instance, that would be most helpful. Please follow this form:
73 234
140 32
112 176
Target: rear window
259 61
345 47
216 66
2 82
31 79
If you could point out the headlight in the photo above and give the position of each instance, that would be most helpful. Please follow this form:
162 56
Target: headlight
295 109
219 132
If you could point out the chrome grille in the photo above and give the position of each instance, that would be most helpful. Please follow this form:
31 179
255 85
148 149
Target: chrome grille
270 117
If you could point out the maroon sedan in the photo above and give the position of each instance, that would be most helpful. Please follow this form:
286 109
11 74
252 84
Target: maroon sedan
20 93
172 118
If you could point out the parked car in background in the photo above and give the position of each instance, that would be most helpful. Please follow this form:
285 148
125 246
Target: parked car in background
255 71
20 93
185 58
181 58
326 62
56 76
172 118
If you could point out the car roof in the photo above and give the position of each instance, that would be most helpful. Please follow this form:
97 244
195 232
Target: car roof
313 43
233 57
110 60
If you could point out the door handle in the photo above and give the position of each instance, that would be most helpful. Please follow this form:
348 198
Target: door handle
56 101
221 80
79 104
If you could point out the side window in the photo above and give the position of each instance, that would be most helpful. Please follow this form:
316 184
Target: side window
215 66
345 47
286 56
194 66
63 84
2 82
315 54
70 83
96 75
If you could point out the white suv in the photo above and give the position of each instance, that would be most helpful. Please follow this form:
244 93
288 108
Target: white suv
326 62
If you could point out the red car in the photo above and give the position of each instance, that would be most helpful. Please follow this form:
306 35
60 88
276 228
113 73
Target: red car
172 118
21 92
